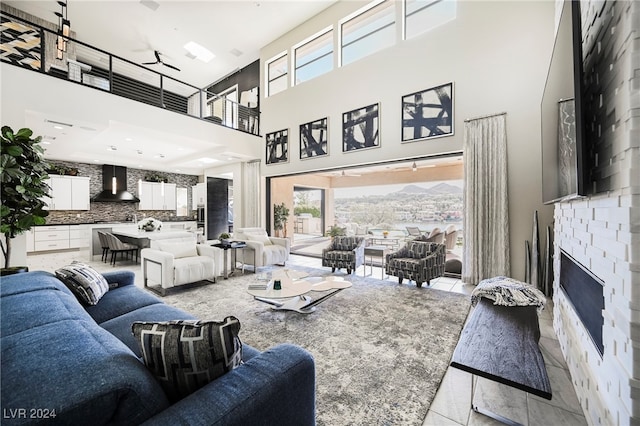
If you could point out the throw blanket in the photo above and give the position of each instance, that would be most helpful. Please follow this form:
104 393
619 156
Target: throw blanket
508 292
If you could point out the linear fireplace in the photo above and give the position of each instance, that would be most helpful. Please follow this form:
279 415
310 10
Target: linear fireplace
585 292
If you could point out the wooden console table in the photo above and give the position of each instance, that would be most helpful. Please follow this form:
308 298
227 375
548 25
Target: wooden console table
500 343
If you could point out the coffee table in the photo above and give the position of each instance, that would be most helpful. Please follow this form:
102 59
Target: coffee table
295 286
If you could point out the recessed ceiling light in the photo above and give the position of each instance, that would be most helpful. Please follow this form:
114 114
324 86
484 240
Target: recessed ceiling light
207 160
128 139
112 148
58 127
200 52
46 143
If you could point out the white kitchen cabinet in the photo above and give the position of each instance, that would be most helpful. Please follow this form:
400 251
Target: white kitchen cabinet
170 196
58 237
198 195
68 193
51 237
30 242
153 198
79 236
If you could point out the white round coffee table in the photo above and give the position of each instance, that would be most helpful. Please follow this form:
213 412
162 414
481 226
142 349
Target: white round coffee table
292 296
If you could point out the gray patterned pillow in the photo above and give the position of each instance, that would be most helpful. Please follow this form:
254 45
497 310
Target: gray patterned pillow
85 282
186 355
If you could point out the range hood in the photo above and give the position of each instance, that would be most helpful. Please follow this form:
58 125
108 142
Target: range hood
121 195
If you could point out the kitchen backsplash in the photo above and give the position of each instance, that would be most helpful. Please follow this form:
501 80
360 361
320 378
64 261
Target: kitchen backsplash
119 212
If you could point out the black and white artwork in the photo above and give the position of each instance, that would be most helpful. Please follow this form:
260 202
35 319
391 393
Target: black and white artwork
277 147
361 128
314 139
568 175
428 114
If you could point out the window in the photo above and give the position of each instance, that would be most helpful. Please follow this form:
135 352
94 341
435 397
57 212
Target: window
424 15
367 31
277 74
313 56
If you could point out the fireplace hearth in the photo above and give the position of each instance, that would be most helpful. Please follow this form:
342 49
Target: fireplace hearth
585 292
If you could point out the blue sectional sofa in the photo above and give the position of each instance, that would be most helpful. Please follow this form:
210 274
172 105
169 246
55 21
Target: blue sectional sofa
82 365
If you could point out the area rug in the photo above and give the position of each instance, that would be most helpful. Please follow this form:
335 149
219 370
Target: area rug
381 349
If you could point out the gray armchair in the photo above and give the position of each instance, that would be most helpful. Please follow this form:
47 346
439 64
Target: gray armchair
344 252
418 260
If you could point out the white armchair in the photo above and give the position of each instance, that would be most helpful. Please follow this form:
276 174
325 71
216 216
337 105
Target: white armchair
173 262
267 250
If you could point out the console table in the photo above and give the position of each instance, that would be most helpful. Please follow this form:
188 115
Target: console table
500 343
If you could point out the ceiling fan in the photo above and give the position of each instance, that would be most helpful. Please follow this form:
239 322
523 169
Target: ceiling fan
160 61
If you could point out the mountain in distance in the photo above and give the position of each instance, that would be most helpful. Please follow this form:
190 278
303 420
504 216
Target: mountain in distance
439 189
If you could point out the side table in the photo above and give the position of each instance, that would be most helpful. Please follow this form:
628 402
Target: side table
374 251
234 246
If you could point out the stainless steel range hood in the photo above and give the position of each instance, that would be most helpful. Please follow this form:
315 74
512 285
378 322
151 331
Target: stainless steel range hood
121 194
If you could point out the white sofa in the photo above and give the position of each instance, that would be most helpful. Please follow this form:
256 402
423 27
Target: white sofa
176 261
267 250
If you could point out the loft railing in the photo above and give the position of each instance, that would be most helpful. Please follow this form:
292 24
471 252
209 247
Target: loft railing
33 47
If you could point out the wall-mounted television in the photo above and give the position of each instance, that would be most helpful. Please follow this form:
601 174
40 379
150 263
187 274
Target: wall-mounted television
565 168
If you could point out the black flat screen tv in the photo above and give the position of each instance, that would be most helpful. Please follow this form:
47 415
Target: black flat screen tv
565 167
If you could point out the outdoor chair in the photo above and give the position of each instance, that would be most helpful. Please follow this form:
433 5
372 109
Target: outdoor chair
436 236
419 261
344 252
450 237
414 231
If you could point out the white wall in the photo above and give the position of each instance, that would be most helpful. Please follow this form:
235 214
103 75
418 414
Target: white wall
496 53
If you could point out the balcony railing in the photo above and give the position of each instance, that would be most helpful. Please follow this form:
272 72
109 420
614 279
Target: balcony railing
30 46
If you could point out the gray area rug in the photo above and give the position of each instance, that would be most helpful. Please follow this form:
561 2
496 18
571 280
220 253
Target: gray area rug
381 349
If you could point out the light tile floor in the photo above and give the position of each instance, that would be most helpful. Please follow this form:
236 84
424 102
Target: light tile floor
452 404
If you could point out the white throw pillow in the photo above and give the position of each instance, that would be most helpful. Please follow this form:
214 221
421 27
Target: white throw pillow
178 250
262 238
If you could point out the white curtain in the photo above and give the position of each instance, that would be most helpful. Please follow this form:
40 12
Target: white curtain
251 194
486 209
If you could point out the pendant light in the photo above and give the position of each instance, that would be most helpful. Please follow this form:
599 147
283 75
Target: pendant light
64 29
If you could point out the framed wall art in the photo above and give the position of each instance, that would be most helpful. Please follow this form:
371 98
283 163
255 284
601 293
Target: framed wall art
277 147
314 141
361 128
428 113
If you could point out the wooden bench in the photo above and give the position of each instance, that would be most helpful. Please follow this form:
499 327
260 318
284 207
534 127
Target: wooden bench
500 343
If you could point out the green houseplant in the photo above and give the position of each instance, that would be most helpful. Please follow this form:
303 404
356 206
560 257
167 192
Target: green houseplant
280 216
23 171
336 231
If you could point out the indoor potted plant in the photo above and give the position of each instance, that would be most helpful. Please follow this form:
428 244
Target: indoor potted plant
224 238
280 216
23 172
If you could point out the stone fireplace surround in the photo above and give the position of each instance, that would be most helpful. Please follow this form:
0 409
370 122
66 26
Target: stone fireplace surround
602 231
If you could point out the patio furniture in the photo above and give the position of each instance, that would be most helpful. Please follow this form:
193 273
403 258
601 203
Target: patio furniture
414 231
344 252
450 237
435 236
418 260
